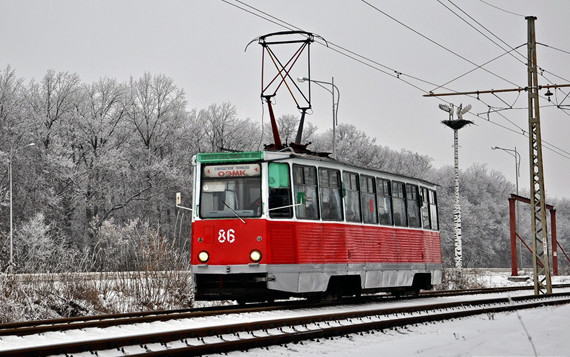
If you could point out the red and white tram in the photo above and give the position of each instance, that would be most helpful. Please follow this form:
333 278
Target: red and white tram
273 224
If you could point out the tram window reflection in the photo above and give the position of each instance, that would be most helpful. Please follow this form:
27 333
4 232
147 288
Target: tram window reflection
412 198
368 199
352 198
384 194
305 182
330 194
280 204
399 204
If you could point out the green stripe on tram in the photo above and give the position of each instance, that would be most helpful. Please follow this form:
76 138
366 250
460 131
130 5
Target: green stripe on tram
221 157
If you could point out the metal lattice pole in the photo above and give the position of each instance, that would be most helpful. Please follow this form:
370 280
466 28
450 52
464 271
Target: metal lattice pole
540 244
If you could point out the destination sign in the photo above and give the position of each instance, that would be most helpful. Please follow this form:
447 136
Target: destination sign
238 170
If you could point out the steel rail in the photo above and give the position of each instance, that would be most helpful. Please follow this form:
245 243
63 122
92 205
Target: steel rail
432 312
107 320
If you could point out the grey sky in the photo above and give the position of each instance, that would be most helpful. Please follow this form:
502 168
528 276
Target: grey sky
200 44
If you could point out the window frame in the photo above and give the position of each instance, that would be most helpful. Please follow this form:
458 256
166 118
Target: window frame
296 185
413 205
386 183
283 210
365 203
356 192
401 199
322 187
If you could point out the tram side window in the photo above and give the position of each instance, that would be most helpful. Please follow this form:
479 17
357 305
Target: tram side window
433 210
384 194
352 199
280 205
425 209
399 204
412 197
330 194
305 180
368 199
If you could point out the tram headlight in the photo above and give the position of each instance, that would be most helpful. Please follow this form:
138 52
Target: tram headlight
203 256
255 255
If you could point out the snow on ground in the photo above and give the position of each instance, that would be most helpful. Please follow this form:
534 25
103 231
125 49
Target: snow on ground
531 332
502 334
486 335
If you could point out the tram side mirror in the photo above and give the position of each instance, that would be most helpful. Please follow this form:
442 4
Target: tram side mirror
301 200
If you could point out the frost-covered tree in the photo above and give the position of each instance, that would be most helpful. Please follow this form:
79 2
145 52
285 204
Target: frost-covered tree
38 250
221 129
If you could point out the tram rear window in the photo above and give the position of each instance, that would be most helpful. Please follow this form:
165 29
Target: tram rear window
433 210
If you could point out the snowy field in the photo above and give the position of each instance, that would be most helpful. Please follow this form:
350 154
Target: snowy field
486 335
532 332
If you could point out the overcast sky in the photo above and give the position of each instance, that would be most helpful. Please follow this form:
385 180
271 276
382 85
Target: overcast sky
200 45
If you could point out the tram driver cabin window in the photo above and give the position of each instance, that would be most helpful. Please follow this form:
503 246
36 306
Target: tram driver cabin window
280 204
305 182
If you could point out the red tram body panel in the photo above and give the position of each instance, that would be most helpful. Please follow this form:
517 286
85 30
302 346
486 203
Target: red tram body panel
315 243
270 250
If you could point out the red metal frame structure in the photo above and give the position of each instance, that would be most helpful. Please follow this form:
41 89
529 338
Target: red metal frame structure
515 235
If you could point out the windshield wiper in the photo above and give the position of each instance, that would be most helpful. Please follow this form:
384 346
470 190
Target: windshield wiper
234 212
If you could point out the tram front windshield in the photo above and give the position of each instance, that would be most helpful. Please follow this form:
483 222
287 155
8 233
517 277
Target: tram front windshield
230 191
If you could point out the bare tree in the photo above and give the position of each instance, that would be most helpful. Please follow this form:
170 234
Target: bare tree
155 109
10 103
51 102
221 129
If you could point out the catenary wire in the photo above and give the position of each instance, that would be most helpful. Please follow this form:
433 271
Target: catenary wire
498 8
494 42
396 74
435 42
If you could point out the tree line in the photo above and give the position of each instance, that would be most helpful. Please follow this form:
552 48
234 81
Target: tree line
108 157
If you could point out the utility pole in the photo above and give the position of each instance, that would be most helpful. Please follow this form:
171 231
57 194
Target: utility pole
540 245
456 125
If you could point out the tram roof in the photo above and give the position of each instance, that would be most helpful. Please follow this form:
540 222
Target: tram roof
260 156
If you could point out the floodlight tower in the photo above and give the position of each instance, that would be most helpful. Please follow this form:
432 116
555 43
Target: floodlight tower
456 125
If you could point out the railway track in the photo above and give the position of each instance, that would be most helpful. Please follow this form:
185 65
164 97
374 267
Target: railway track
102 321
229 337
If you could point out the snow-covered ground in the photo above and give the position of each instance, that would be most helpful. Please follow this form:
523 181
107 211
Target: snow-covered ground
532 332
502 334
487 335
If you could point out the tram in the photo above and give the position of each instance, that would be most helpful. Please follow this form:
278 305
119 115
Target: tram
280 224
289 222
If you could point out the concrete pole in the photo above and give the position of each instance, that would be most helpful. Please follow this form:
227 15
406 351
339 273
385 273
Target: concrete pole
457 207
